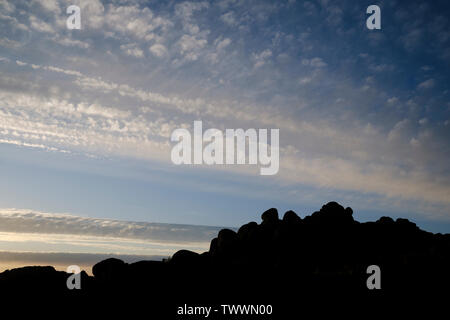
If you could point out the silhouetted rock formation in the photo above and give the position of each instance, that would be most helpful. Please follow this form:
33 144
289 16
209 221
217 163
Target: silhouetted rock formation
325 252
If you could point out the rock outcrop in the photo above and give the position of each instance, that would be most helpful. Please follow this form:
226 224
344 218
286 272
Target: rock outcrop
325 252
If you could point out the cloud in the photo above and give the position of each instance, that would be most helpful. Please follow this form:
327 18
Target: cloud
412 38
28 236
130 20
73 43
40 25
29 221
7 6
20 63
392 101
221 44
132 50
57 124
187 9
229 18
305 80
262 57
102 92
427 84
190 46
79 245
49 5
96 128
158 50
314 62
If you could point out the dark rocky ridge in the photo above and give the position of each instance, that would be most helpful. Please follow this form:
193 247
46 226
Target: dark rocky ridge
325 253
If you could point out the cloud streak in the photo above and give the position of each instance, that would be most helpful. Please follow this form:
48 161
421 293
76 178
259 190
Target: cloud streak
27 221
28 236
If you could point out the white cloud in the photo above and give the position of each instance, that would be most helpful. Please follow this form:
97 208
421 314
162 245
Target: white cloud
72 43
305 80
314 62
158 50
41 25
54 124
262 57
7 7
400 130
427 84
423 121
30 221
20 63
221 44
187 9
132 50
229 18
381 67
65 71
124 20
49 5
98 110
392 101
190 46
8 43
11 20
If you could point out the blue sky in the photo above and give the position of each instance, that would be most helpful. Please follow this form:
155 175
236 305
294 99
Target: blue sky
86 115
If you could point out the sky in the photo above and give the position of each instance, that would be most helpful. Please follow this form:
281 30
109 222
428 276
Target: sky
86 115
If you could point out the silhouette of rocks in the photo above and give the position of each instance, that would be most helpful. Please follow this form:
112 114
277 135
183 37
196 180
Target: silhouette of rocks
246 231
386 221
226 241
270 216
109 269
33 275
332 213
213 246
185 257
38 279
290 217
327 251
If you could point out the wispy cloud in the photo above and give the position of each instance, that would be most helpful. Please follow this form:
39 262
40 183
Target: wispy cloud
28 236
27 221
